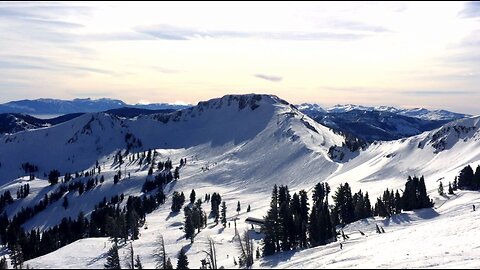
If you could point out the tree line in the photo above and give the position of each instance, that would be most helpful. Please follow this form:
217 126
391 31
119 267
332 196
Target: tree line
290 223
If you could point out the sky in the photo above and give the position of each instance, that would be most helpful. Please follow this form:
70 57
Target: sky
404 54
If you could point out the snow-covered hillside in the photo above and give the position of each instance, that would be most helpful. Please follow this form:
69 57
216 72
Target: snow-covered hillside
438 154
231 128
443 237
240 146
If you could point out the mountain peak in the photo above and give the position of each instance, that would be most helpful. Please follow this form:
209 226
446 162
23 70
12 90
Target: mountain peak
251 101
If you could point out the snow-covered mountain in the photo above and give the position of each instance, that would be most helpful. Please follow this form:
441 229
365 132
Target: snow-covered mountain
14 122
47 106
438 154
378 123
420 113
222 125
240 146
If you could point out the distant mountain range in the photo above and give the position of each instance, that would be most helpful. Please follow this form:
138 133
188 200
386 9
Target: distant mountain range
47 106
379 123
16 122
420 113
365 123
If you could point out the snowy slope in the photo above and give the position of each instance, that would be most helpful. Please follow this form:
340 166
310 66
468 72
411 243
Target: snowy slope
429 238
437 154
240 146
445 236
233 126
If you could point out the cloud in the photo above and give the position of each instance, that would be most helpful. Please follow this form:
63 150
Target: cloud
169 32
436 92
268 77
5 64
116 36
353 89
30 23
41 10
390 91
164 70
18 62
470 10
358 26
42 15
90 93
472 40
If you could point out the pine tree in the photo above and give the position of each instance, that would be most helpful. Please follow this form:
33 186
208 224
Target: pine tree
138 263
215 201
182 262
415 195
286 224
113 260
344 204
321 228
189 224
440 189
176 173
424 199
238 207
466 177
168 265
192 196
224 214
476 179
3 263
450 189
303 218
199 217
248 209
271 226
178 199
398 203
381 209
16 256
368 206
53 177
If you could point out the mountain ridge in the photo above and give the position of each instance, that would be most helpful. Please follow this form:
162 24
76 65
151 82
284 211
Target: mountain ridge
49 106
421 113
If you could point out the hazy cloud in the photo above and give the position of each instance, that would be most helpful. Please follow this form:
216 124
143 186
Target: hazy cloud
41 63
164 70
41 10
168 32
268 77
90 93
358 26
436 92
471 10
